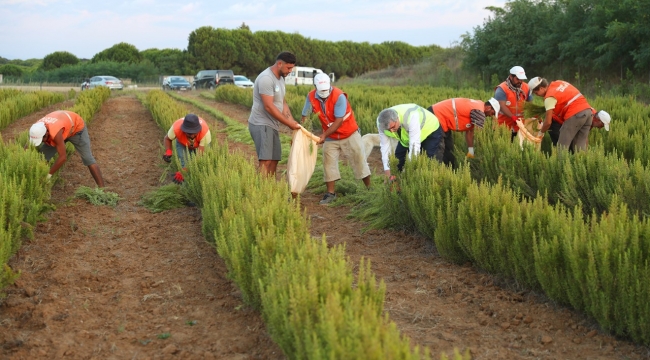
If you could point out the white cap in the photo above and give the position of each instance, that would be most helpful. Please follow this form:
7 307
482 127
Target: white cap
519 71
322 82
605 118
495 106
534 82
36 133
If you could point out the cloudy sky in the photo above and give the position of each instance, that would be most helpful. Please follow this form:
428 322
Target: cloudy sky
36 28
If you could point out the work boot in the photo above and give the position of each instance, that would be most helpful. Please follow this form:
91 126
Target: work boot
328 198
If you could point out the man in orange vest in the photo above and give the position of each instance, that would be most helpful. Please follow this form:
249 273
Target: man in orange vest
460 114
340 133
569 108
191 134
57 128
512 94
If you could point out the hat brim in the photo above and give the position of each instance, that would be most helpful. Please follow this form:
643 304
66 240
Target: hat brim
36 142
523 77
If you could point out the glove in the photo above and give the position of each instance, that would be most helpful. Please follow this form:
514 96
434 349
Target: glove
470 152
469 156
178 178
515 118
48 177
168 156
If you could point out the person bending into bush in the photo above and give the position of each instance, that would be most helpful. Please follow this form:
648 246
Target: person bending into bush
50 134
191 134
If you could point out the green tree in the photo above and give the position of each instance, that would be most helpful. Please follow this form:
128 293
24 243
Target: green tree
58 59
11 70
121 52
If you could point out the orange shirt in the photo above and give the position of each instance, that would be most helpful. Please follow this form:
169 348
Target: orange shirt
444 111
516 106
70 122
349 125
182 138
569 100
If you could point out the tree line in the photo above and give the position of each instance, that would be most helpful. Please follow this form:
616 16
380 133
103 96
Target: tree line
574 40
243 51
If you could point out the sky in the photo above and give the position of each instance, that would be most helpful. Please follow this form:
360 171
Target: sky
35 28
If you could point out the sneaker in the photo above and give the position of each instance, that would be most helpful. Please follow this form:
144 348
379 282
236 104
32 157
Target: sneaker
328 198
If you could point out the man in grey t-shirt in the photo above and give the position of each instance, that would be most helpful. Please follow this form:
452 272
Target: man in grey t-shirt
269 110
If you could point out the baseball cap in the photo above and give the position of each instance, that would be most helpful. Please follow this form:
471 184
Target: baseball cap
322 82
495 106
519 72
605 118
534 82
191 124
36 133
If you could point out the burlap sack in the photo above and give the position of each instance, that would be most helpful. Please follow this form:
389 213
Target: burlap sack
302 159
528 133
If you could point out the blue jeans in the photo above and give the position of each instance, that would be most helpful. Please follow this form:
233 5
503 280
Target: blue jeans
431 145
182 151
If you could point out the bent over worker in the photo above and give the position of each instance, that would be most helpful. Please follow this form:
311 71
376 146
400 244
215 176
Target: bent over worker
340 133
57 128
191 134
414 128
461 114
568 107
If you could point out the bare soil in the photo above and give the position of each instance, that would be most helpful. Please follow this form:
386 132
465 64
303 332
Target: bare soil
117 283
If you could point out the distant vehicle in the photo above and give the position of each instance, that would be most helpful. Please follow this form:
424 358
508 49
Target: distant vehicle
110 82
243 82
303 75
211 79
176 83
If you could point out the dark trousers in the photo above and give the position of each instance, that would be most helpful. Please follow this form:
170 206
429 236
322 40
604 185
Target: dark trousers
432 145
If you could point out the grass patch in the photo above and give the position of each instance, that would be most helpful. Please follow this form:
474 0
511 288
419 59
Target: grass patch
97 196
166 197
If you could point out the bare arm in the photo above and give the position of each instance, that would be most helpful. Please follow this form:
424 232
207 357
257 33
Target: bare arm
547 121
282 117
469 137
168 143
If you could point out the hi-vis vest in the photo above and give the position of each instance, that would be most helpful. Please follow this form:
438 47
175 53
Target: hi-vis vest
569 100
453 114
516 106
70 122
182 138
428 122
349 125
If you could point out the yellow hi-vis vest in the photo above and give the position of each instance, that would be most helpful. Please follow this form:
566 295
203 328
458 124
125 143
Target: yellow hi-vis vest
428 122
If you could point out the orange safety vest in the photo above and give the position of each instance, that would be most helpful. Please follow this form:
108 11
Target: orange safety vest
453 114
516 106
569 100
70 122
182 138
349 125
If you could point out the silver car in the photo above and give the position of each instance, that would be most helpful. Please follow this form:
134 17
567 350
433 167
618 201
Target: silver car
110 82
243 82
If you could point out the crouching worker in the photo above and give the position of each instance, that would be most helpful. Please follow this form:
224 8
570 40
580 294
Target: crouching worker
414 127
191 134
57 128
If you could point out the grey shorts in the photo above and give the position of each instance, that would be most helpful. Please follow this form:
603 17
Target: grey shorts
267 142
81 142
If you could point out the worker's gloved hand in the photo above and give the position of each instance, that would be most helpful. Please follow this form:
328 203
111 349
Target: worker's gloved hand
48 177
168 156
178 178
515 118
470 153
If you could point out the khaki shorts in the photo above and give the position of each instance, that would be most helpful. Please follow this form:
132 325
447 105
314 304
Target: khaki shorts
352 148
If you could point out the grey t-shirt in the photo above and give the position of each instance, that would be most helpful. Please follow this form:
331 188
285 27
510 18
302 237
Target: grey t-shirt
267 84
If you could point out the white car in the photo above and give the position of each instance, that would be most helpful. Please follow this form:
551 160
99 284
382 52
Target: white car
243 82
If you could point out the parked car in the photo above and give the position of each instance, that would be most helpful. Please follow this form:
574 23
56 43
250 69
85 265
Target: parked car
210 79
110 82
243 82
176 83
